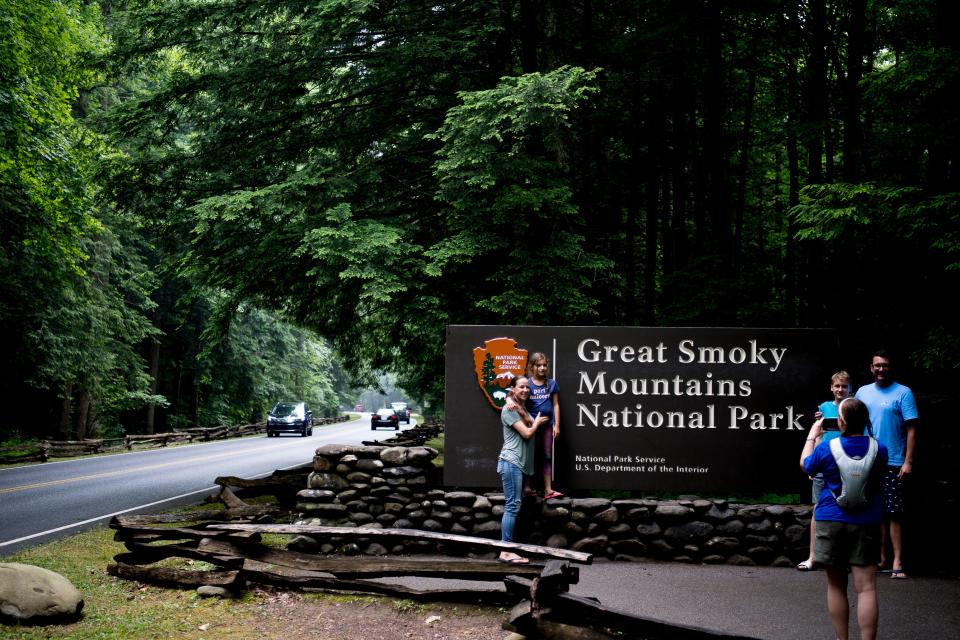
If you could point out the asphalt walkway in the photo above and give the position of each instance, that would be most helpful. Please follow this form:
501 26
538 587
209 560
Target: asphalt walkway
767 602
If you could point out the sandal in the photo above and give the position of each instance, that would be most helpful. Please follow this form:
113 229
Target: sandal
806 565
514 559
552 495
898 574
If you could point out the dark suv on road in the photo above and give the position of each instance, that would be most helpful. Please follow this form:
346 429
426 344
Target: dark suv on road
403 411
290 417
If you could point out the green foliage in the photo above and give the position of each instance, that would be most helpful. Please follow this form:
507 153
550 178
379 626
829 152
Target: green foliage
305 188
373 172
260 361
502 168
91 338
75 290
832 212
378 171
43 162
90 280
903 236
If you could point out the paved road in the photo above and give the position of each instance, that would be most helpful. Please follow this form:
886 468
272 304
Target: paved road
43 502
767 602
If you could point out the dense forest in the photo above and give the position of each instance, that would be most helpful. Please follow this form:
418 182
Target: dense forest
207 204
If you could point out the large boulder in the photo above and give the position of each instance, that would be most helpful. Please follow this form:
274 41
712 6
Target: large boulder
33 595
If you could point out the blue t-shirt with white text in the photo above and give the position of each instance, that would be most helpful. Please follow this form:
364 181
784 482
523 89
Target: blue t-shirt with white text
541 398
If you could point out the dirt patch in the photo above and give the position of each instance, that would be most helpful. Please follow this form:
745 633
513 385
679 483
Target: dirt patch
290 615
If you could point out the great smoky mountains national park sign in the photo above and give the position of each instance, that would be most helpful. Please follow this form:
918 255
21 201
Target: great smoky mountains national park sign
656 409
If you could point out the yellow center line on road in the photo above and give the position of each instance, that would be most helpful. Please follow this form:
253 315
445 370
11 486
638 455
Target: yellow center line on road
150 467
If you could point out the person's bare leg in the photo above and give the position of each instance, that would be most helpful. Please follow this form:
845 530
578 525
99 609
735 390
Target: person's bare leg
884 534
868 611
896 542
837 605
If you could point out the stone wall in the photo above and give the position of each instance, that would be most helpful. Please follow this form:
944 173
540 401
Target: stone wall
381 486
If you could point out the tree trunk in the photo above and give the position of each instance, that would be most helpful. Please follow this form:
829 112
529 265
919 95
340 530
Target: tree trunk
529 36
744 165
943 165
154 382
629 259
714 133
502 53
675 243
816 90
793 199
553 34
792 33
852 129
194 416
83 413
651 243
63 429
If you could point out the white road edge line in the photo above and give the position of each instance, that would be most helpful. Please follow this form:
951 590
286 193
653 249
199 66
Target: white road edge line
117 513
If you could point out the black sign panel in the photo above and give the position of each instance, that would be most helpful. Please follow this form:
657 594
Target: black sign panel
658 409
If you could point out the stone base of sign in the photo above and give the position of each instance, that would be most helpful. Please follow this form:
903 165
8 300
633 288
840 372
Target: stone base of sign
381 487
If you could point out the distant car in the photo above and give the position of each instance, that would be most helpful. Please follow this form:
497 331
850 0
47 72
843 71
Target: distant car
403 411
290 417
359 408
385 418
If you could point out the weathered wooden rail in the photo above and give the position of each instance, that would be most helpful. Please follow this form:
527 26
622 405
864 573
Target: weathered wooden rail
409 534
241 558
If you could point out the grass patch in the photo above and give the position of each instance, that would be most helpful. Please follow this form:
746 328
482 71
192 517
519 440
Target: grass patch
123 609
437 443
408 607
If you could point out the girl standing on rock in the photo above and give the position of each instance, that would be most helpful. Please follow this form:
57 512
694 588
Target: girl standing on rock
544 400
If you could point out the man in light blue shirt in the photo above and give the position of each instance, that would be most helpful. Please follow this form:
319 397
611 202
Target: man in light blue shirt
893 421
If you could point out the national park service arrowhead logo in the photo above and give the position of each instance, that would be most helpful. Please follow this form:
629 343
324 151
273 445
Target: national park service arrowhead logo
496 364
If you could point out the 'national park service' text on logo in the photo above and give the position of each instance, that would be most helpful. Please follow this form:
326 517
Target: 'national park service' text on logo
496 364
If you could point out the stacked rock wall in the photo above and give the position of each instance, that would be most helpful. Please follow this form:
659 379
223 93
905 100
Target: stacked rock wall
380 486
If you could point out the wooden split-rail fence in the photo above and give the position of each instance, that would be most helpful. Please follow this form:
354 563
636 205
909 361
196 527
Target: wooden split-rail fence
47 449
230 538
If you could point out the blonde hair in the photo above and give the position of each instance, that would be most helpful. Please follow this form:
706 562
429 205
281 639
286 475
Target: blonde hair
534 358
840 376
